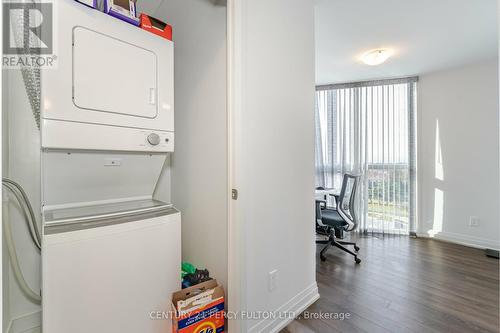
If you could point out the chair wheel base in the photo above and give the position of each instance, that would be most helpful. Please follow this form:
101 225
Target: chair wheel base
356 248
357 260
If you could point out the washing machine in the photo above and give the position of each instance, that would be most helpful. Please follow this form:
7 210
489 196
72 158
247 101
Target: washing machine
111 250
110 268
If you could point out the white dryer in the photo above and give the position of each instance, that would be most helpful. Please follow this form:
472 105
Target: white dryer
113 87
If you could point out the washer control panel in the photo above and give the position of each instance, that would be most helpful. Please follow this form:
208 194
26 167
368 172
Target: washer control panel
130 139
158 140
154 139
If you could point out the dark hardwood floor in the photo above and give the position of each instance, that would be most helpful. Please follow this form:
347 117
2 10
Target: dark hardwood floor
406 285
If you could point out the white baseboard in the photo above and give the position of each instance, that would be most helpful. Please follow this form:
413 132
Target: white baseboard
26 323
466 240
296 305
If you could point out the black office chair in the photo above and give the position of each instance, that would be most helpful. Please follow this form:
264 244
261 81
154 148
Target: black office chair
341 218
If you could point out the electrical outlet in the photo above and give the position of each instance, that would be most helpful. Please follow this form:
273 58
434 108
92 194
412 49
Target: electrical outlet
273 280
474 221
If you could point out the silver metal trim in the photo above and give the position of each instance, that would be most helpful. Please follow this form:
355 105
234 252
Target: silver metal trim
118 214
90 222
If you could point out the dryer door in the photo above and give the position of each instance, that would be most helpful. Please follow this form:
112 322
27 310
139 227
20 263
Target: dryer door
111 86
120 78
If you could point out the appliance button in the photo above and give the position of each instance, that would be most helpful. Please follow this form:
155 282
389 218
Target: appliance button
154 139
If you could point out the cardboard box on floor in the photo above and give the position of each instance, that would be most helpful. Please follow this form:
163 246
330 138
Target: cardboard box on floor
208 319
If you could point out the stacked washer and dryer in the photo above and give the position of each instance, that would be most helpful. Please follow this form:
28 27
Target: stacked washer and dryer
111 249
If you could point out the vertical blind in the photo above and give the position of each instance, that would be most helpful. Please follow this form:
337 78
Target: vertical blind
368 129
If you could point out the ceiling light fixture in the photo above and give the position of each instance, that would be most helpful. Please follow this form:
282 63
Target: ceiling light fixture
376 57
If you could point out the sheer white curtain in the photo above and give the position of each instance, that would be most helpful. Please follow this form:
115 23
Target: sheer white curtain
368 128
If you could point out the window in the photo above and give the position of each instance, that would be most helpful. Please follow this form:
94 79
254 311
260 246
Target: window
368 128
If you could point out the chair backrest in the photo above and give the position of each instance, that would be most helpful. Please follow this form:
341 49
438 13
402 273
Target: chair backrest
346 202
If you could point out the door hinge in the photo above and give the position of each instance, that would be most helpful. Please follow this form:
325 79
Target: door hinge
234 194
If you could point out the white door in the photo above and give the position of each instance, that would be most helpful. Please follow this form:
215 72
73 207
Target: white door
271 88
112 75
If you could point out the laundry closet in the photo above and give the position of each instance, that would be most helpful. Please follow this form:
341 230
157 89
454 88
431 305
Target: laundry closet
124 161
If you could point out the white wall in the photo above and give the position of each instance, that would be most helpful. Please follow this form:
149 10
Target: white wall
199 163
272 70
459 163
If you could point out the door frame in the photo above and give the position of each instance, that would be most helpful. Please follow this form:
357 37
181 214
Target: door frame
236 263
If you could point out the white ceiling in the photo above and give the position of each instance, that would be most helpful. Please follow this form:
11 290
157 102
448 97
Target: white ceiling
427 35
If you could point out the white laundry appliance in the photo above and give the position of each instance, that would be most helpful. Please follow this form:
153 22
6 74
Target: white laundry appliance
111 250
112 88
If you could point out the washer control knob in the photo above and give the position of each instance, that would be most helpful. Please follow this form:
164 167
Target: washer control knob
154 139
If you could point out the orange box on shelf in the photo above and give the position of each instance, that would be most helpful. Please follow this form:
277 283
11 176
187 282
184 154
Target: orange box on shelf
156 26
199 308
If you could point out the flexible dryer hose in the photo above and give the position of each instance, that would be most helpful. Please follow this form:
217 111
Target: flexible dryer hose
25 205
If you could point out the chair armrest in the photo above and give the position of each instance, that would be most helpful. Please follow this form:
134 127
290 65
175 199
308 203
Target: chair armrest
336 196
320 202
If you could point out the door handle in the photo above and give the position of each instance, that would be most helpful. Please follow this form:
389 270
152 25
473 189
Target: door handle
152 96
